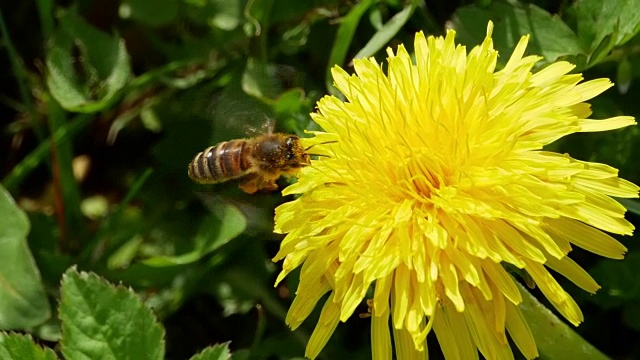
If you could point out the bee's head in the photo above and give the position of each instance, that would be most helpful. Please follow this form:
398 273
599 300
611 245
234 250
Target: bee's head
282 151
295 154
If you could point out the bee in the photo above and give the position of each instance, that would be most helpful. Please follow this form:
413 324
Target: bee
258 162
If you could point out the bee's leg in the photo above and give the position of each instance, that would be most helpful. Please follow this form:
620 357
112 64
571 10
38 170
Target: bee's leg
269 185
250 185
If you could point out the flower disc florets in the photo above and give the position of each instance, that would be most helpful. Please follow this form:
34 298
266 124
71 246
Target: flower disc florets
433 176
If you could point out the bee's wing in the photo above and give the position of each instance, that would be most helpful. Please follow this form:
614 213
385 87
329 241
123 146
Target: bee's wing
242 111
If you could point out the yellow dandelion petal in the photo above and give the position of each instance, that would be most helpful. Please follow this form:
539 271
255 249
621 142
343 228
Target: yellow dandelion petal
380 337
326 325
405 347
456 321
520 332
430 181
572 271
606 124
449 341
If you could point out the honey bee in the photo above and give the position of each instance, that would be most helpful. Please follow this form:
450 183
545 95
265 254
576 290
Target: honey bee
257 161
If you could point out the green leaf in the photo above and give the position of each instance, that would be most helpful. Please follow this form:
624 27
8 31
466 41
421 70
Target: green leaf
22 347
216 352
227 15
104 61
151 12
40 153
632 205
554 338
550 37
23 303
605 24
225 224
388 31
102 321
340 48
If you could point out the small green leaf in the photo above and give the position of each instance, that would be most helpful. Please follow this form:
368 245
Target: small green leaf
225 224
550 37
340 48
104 62
102 321
22 347
23 303
387 32
227 15
216 352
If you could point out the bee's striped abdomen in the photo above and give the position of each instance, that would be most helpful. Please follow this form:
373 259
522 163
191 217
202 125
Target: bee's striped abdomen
225 161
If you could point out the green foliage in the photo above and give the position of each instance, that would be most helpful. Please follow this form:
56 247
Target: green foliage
109 101
22 300
19 347
103 322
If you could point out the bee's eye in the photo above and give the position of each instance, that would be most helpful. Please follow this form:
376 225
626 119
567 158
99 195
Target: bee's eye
289 143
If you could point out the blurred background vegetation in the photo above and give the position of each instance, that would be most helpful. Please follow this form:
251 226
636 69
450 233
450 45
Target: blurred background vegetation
104 103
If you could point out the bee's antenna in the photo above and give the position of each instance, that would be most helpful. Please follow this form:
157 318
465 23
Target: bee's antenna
322 143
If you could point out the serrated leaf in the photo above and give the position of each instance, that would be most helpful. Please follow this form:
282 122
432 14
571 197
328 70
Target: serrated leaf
103 66
22 347
550 36
23 303
102 321
216 352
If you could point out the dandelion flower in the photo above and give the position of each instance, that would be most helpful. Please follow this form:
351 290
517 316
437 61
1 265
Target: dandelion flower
433 178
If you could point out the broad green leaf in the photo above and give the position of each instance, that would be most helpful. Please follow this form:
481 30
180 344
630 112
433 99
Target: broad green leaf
388 31
554 338
216 352
550 37
151 12
104 62
226 223
23 303
342 41
102 321
604 24
22 347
